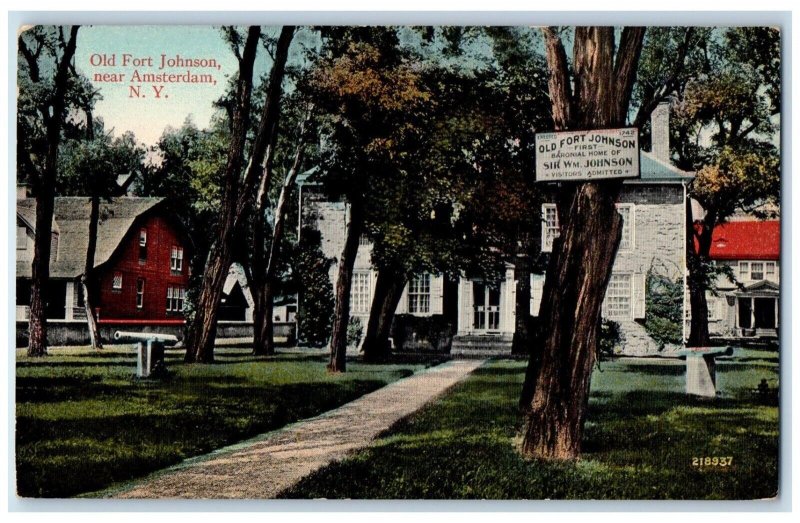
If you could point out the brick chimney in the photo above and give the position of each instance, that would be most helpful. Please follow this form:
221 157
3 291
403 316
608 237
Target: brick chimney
659 132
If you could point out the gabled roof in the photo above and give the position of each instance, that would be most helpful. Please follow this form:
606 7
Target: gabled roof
656 170
747 240
71 223
759 288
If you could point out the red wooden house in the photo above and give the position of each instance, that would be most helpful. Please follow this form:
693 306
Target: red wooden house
141 262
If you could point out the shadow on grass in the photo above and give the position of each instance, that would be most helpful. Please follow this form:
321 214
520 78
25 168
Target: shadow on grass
638 444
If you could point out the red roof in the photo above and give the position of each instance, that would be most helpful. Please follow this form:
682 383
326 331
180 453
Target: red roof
747 240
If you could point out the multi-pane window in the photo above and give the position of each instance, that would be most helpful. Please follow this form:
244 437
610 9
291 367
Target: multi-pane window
22 238
176 297
363 240
618 297
549 227
419 294
770 266
116 283
142 245
626 210
756 270
139 293
176 258
359 293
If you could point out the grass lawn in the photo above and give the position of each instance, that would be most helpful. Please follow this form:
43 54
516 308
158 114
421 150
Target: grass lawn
641 435
84 421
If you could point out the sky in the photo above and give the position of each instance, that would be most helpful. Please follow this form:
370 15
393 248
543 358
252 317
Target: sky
146 115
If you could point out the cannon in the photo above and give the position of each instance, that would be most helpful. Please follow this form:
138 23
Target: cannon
701 369
149 349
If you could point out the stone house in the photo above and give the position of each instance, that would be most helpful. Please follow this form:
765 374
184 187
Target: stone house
653 207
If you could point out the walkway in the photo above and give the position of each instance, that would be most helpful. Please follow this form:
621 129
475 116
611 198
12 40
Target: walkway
265 466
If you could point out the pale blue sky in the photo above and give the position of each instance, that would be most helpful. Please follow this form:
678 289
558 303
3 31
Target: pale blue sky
147 117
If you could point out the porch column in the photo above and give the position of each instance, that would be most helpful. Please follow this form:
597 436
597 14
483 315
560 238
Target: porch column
69 301
752 313
776 312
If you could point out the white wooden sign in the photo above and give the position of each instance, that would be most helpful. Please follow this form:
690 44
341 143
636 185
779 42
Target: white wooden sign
587 155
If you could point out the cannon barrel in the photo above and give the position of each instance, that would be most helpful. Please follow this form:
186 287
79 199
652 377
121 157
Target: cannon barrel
166 339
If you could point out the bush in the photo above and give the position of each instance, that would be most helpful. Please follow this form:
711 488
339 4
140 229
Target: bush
409 331
611 338
354 332
664 309
315 311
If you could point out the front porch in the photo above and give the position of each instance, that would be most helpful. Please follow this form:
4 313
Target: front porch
757 310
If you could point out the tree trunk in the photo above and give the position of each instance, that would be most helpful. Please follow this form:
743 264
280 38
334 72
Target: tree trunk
202 332
341 314
698 260
44 184
263 343
556 388
88 272
388 291
237 192
522 341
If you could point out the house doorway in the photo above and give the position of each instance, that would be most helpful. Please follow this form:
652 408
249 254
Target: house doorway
758 313
486 307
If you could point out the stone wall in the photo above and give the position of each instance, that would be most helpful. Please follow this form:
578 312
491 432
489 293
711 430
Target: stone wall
76 333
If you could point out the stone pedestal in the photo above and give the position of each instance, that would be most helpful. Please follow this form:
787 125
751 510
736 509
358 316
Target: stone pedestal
701 369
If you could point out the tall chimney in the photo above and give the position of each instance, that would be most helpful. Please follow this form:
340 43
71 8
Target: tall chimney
659 132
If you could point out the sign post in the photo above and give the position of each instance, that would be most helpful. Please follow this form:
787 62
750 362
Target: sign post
573 156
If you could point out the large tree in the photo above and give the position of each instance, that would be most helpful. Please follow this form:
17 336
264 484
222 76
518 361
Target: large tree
90 167
725 127
45 78
239 184
593 92
365 89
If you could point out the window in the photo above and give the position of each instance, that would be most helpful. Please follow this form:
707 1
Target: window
359 293
550 227
176 297
116 283
419 294
363 240
142 245
139 293
618 297
176 259
756 271
22 238
628 218
744 270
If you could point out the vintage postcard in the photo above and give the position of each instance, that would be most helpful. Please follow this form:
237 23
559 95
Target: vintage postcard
398 262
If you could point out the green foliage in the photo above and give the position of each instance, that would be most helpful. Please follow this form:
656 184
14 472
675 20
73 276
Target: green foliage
355 331
642 432
84 422
434 329
316 304
664 309
88 167
611 338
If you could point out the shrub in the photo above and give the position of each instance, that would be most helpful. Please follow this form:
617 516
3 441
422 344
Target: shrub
611 338
315 311
435 330
354 332
664 309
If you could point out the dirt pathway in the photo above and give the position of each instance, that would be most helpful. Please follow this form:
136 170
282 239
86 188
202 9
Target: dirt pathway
266 465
